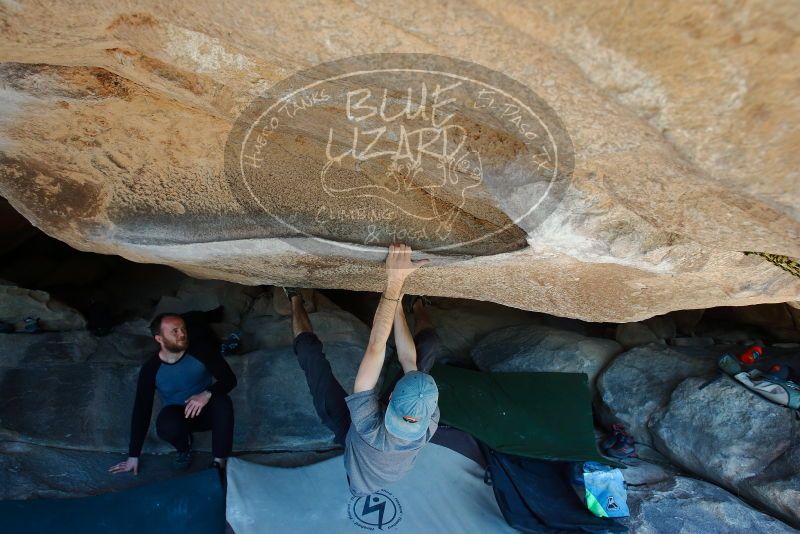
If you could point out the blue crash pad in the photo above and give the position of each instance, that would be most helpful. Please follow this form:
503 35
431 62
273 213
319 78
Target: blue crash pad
193 503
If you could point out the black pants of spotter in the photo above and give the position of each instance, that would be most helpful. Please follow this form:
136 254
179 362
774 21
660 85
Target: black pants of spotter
328 393
217 416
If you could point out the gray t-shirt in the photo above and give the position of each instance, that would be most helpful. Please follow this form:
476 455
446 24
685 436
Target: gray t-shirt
373 457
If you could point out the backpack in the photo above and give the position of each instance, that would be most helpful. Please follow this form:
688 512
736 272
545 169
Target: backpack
767 378
537 495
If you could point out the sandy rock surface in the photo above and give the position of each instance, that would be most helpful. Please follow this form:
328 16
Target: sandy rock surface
680 119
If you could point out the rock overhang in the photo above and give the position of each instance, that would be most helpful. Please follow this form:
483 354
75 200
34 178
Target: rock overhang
123 152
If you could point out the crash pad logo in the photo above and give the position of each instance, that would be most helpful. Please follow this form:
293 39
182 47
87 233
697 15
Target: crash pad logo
440 153
381 511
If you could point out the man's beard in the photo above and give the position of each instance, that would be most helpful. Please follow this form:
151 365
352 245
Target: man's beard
178 346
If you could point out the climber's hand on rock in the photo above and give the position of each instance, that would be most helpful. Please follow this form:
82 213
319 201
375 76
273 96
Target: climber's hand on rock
398 263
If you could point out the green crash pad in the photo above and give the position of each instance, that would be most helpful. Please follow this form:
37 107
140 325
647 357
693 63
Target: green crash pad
194 503
538 415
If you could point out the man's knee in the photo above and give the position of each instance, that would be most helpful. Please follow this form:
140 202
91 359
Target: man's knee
221 404
429 348
171 423
307 343
308 349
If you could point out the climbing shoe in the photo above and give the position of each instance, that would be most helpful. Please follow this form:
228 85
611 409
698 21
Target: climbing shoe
220 468
30 325
624 448
729 364
231 344
182 460
620 444
409 301
292 292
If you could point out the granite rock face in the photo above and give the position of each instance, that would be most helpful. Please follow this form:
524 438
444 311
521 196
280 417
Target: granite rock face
46 347
722 431
641 380
683 504
272 392
716 430
461 324
115 126
123 348
631 335
18 303
331 326
534 348
68 404
733 437
35 472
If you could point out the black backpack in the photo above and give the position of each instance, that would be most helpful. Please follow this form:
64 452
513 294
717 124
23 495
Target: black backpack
537 496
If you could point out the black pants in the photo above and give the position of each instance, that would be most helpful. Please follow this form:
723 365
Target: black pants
328 393
217 416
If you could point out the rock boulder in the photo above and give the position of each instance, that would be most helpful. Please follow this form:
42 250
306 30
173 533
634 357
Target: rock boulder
115 124
533 348
640 381
17 303
729 435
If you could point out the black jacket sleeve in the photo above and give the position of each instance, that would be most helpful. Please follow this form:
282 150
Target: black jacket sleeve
143 405
204 345
221 371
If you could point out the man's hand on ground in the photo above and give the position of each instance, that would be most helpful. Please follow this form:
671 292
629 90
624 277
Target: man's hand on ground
131 464
195 403
399 265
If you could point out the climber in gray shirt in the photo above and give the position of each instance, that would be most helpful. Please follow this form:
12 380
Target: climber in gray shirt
381 446
374 456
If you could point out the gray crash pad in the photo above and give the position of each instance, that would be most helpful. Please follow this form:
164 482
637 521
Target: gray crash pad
443 493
